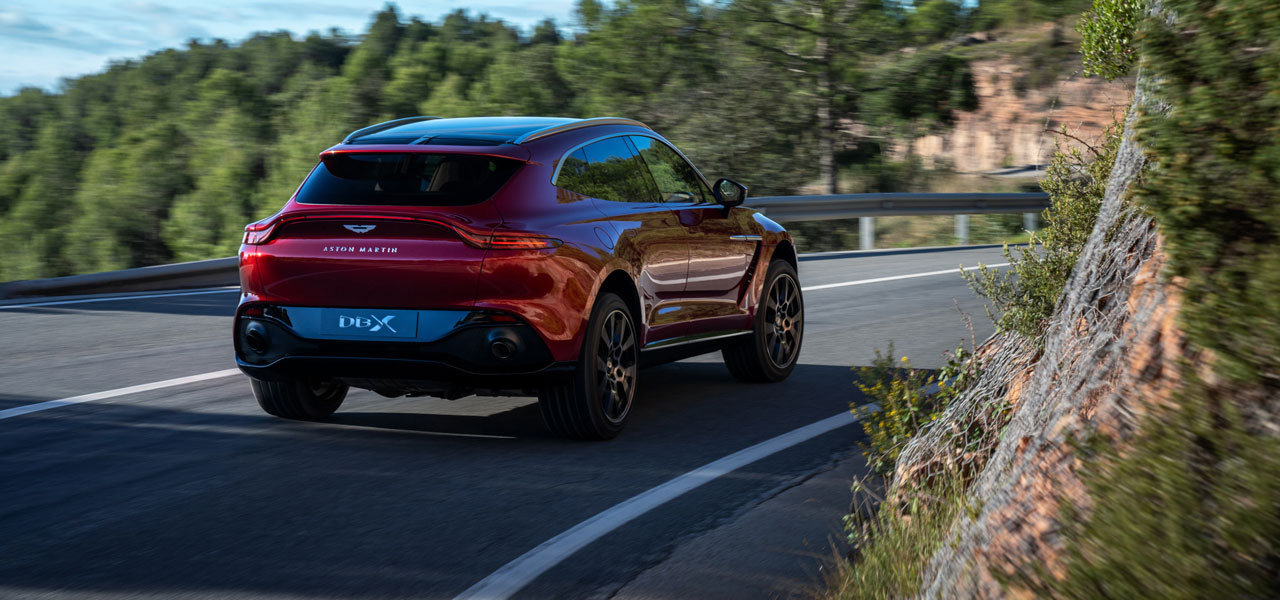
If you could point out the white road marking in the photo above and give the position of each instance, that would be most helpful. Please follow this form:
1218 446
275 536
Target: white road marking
222 290
914 250
513 576
896 277
16 411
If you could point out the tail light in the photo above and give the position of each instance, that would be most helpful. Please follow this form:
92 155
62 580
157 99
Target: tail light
259 232
509 241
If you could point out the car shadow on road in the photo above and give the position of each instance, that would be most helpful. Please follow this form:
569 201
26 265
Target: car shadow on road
519 422
693 390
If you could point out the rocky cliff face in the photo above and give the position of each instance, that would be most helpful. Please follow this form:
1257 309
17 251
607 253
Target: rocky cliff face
1008 129
1111 353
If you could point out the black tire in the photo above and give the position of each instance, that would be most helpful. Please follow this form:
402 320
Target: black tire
302 400
595 402
770 353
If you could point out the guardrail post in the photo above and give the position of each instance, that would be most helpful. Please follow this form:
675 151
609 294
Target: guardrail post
962 229
867 233
1031 221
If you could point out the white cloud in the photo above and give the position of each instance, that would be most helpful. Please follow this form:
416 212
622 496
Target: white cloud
20 27
48 40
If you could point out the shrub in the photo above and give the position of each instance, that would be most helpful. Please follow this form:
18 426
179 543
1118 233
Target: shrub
1107 37
908 400
1026 295
1215 174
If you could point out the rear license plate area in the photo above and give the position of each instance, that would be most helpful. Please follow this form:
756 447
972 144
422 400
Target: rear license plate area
369 324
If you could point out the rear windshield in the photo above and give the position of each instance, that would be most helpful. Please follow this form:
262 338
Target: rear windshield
408 179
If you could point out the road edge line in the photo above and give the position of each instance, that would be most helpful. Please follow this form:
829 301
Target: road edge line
515 575
18 411
827 286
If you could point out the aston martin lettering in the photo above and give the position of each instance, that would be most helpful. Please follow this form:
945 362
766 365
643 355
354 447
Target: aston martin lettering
362 249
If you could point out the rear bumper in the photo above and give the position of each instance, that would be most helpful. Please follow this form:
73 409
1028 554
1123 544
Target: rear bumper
461 361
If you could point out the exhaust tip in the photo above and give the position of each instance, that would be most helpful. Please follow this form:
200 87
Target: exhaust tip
255 338
502 348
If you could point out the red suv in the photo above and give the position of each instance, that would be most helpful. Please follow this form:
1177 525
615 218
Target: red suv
509 256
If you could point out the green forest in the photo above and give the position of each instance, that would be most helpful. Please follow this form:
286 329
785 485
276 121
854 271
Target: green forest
167 157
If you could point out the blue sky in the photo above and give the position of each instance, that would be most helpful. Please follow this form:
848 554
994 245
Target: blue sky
46 40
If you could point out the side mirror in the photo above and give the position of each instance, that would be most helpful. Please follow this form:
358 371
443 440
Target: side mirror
729 193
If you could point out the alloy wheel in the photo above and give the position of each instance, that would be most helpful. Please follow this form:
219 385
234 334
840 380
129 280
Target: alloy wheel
783 316
616 365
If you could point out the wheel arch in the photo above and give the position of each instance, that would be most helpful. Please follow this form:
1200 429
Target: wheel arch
786 250
620 282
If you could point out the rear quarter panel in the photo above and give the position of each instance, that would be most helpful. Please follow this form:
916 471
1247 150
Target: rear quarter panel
552 289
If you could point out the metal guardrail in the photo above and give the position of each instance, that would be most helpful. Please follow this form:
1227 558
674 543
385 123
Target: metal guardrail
848 206
865 207
200 273
223 271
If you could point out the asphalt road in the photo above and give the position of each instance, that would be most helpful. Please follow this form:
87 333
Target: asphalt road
191 491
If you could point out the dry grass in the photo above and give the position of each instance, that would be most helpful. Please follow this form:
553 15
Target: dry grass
891 543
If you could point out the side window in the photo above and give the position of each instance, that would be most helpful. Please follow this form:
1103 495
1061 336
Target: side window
573 174
676 179
608 170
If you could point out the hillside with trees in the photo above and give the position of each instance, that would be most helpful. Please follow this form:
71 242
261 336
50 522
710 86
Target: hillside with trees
165 158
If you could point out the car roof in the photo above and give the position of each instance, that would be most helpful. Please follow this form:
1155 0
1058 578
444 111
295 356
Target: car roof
473 131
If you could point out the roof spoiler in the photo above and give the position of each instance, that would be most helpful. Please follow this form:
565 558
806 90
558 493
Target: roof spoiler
383 126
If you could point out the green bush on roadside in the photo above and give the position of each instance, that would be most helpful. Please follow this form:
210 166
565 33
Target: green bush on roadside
1025 295
890 541
908 400
1107 34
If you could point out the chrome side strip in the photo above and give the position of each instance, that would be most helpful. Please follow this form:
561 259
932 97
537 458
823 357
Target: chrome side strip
690 339
747 238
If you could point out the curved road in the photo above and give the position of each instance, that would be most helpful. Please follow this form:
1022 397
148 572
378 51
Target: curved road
190 491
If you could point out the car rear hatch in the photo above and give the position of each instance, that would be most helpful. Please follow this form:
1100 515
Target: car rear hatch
381 227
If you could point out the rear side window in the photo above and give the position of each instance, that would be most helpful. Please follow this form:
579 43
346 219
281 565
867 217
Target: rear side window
609 170
406 179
